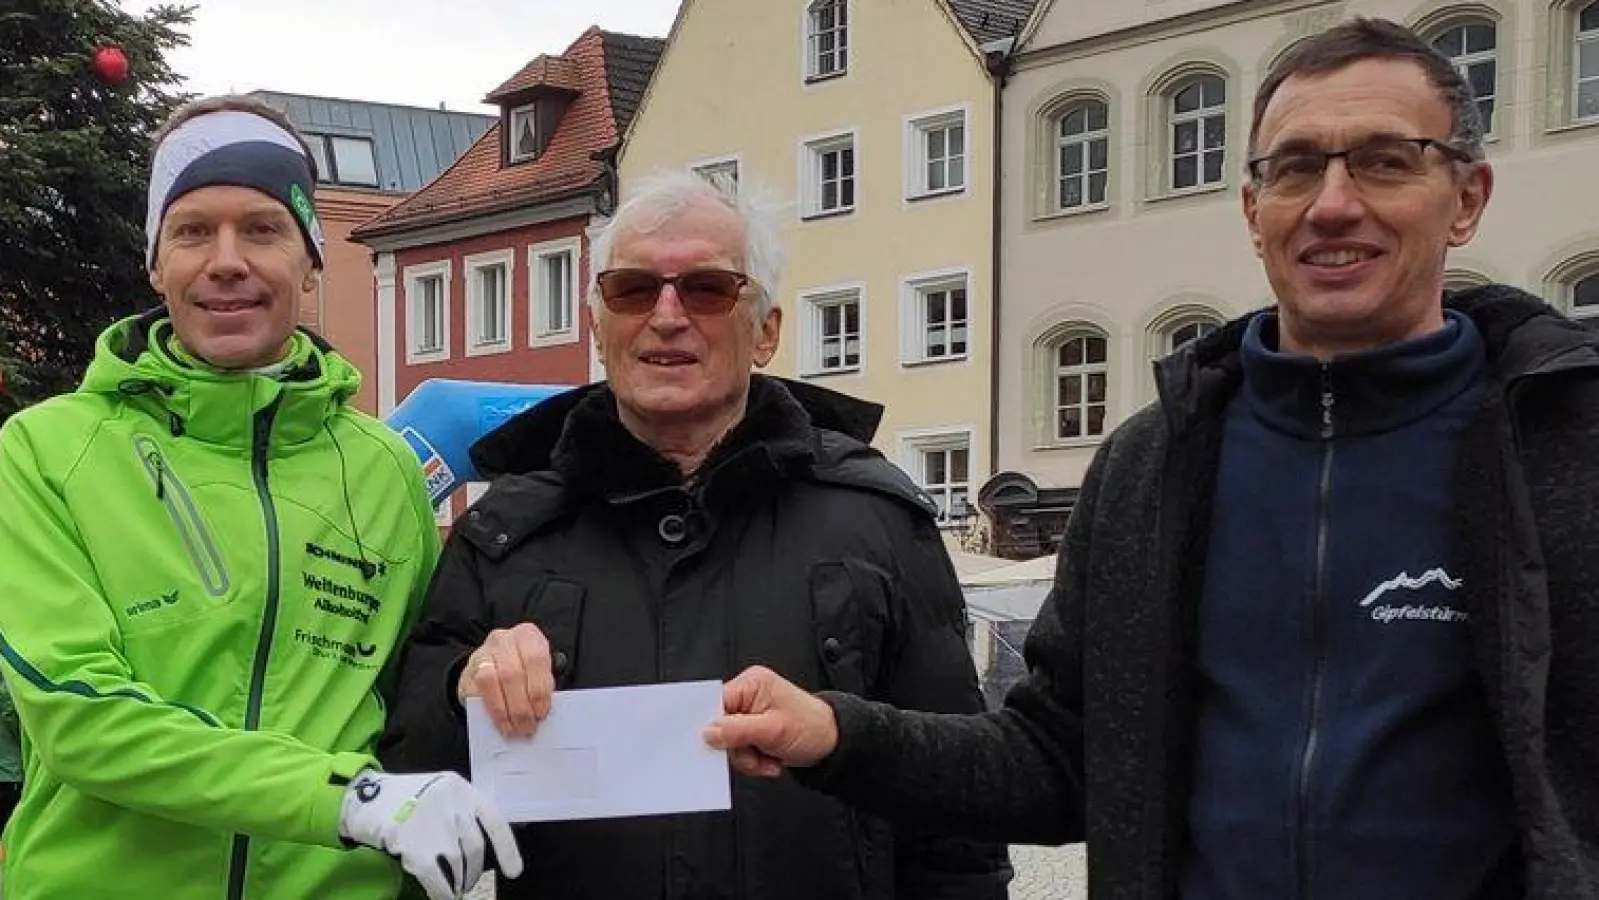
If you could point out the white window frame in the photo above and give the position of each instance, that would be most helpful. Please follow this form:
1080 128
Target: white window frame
413 276
915 443
366 145
1197 117
811 152
511 155
914 291
1087 139
711 167
1467 58
918 127
1057 403
325 154
504 260
811 302
810 69
1163 335
538 303
1581 314
1579 40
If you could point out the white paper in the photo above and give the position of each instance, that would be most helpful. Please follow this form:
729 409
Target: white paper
605 753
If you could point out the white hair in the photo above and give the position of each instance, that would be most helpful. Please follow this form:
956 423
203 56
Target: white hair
664 196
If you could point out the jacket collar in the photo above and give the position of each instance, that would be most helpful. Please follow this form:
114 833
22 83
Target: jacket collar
1522 337
1360 393
133 361
578 436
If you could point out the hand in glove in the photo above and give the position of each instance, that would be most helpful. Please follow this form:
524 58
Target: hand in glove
433 823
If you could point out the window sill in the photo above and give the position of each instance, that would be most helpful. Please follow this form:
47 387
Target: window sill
830 76
421 358
1578 125
554 338
829 373
493 349
935 195
1056 215
1198 191
1083 443
934 361
827 214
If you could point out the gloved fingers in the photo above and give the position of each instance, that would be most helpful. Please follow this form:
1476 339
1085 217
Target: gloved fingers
498 832
471 845
436 875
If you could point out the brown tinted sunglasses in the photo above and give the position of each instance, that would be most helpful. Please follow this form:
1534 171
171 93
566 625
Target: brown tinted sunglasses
703 292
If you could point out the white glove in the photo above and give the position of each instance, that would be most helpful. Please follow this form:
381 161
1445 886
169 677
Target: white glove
433 823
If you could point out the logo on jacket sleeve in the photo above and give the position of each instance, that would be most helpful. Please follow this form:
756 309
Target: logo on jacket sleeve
1387 613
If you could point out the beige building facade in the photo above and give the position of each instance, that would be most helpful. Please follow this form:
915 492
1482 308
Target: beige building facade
1122 234
872 124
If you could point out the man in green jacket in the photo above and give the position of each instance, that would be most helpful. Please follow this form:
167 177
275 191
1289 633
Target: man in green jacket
208 559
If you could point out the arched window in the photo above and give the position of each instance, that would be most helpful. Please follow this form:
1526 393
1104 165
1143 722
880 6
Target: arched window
1196 131
1586 99
827 38
1082 155
1187 331
1585 298
1081 385
1473 47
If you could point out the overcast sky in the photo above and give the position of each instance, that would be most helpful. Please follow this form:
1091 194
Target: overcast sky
416 52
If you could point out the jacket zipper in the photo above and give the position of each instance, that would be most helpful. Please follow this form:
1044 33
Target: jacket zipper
1318 649
208 562
260 444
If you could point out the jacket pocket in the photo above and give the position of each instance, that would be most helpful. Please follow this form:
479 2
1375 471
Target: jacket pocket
555 605
209 565
847 608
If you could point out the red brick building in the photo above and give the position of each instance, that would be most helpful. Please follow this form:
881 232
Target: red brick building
480 274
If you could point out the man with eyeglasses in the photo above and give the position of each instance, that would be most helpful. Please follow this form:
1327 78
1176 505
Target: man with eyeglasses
682 520
1324 622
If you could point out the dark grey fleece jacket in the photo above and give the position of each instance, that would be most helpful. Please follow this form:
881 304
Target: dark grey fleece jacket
1097 743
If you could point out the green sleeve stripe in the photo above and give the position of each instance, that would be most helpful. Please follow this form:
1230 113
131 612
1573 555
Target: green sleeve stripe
38 680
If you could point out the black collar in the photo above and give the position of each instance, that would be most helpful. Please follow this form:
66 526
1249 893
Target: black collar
578 436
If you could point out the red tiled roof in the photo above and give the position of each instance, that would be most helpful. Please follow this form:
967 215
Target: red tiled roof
546 71
478 184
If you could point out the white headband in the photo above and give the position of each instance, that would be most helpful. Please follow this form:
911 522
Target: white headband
228 147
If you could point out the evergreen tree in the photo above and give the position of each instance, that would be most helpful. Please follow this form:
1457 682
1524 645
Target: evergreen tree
74 158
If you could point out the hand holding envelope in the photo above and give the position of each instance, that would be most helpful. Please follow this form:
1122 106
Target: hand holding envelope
512 673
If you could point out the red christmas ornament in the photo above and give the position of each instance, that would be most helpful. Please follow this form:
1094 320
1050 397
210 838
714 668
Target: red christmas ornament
111 64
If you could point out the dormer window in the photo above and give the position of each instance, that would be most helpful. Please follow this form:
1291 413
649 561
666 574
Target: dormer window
524 131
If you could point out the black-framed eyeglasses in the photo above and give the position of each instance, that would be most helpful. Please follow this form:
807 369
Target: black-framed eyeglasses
1377 162
703 292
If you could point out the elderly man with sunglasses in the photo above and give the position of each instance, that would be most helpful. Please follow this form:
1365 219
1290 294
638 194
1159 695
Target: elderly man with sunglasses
680 521
1325 621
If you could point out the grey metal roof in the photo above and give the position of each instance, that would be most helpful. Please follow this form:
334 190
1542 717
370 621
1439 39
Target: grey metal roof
412 145
989 20
630 60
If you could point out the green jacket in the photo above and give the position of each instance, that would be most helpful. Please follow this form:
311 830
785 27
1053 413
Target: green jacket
203 580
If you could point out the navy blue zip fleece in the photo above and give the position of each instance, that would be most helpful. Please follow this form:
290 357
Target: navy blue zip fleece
1344 745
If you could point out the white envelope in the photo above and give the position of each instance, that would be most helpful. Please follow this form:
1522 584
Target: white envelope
605 753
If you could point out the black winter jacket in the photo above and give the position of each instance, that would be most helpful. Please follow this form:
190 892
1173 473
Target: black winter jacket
796 546
1097 742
